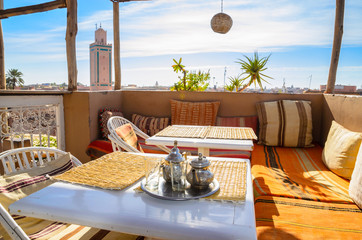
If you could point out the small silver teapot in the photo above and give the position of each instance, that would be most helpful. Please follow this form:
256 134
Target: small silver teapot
200 176
174 156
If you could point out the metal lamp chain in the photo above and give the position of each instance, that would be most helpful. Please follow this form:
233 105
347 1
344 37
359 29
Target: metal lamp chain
222 7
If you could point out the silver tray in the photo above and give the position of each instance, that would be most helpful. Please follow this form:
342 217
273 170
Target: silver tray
164 191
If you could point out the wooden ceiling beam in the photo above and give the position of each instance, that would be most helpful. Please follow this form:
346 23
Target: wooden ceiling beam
32 9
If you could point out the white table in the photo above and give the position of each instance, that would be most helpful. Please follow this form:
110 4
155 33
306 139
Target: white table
138 213
203 144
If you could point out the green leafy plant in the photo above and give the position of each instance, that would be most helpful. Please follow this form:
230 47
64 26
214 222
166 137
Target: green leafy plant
190 81
44 141
253 68
235 83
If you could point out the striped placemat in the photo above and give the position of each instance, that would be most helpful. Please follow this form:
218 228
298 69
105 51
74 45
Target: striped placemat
116 170
231 133
184 131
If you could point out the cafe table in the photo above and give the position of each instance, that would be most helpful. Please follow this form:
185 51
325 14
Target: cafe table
138 213
202 143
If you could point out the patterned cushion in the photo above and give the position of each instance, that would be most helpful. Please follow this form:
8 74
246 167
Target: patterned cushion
248 121
355 185
150 125
104 116
194 113
128 135
20 184
341 149
286 123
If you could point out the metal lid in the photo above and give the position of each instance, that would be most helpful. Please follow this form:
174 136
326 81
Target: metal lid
200 162
175 155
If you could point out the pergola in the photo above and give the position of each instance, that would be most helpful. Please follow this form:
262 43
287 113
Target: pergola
72 29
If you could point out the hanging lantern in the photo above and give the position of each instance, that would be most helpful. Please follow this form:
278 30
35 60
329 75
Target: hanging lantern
221 22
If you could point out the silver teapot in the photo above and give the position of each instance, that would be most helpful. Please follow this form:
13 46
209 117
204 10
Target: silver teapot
177 159
200 176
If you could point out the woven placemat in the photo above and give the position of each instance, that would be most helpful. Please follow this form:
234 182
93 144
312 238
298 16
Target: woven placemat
231 133
232 179
116 170
184 131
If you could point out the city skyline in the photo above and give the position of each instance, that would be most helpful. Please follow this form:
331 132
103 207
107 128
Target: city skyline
297 35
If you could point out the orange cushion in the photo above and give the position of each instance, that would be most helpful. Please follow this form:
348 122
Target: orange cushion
194 113
128 135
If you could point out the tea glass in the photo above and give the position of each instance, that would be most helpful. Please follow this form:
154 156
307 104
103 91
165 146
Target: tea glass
152 172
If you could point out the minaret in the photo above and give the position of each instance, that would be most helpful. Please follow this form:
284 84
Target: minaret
100 55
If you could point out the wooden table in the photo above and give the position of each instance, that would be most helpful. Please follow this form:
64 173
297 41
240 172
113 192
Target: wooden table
138 213
203 144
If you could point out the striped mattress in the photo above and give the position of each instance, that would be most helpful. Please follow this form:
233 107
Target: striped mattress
297 197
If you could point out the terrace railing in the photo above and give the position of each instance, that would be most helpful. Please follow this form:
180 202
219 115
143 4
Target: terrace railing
31 121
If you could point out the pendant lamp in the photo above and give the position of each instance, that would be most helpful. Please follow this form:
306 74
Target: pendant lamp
221 22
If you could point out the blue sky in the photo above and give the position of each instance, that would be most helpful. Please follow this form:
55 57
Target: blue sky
297 34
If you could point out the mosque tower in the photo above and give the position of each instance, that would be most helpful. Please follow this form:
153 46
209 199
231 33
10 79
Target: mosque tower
100 54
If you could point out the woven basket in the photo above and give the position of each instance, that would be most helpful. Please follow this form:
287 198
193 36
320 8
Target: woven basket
221 23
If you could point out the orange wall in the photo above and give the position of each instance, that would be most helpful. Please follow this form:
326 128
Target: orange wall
157 103
98 101
81 110
76 118
344 109
81 118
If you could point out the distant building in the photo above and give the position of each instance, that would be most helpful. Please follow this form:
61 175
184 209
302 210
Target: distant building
340 88
100 55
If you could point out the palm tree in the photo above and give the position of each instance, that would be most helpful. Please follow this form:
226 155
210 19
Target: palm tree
253 68
13 78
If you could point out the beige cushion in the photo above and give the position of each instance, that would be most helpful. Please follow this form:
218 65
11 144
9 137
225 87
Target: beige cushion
340 150
355 186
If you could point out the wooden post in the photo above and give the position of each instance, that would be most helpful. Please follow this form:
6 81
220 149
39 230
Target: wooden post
2 54
116 47
337 42
72 29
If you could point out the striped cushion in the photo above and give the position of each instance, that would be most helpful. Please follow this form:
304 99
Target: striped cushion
355 185
341 149
98 148
24 182
285 218
285 123
248 121
150 125
270 123
128 135
194 113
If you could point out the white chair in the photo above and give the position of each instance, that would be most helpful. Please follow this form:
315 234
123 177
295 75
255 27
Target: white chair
25 158
30 157
11 227
117 142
